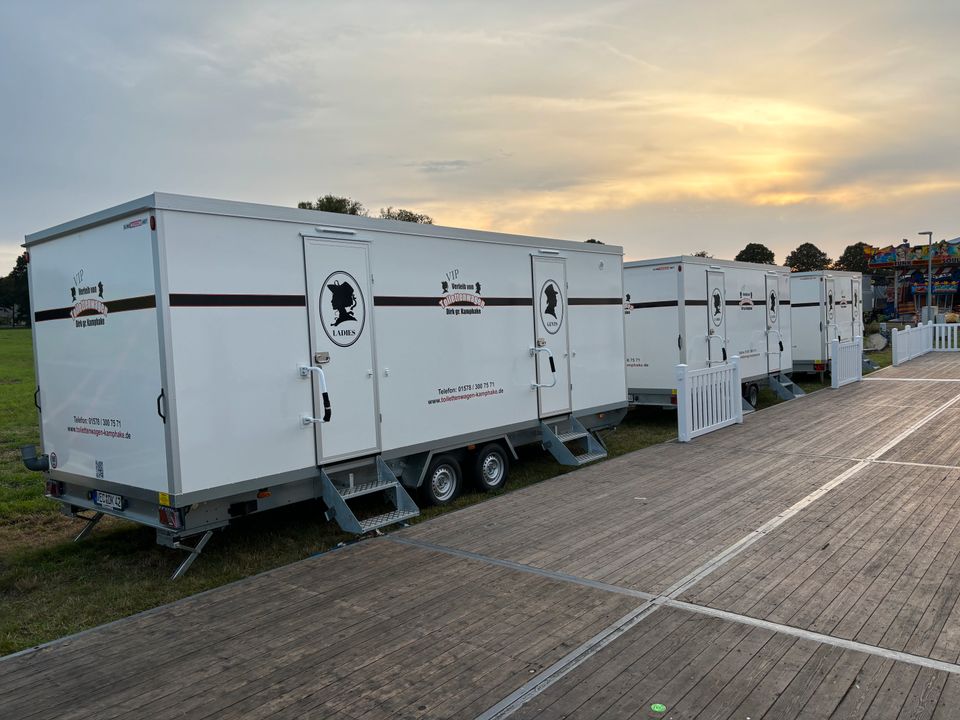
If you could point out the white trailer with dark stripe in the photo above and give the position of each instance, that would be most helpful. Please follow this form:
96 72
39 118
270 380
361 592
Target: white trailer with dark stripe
826 305
198 360
700 312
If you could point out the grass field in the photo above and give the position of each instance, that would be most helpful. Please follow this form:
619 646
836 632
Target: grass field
50 586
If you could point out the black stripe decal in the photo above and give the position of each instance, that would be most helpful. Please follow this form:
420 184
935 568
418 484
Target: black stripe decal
806 304
595 301
411 301
695 303
208 300
143 302
655 304
784 302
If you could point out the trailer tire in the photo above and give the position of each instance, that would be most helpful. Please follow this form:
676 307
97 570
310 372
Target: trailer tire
491 468
443 480
751 393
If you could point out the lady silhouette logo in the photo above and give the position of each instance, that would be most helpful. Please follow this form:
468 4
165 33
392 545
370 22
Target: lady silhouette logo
772 307
343 311
551 307
717 298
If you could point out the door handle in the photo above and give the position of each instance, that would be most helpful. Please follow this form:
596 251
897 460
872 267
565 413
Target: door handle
553 367
305 371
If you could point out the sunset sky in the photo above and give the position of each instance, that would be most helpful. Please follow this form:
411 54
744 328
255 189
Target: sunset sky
665 127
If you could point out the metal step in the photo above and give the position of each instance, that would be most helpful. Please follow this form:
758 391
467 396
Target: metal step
571 436
335 498
390 518
365 488
590 457
555 441
784 387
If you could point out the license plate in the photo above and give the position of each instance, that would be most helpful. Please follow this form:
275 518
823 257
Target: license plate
108 500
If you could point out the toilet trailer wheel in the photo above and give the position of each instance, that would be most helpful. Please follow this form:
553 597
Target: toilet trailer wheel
491 467
442 483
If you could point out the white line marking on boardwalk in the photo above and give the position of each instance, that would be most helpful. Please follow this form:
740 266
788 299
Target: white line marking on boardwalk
578 656
903 379
818 637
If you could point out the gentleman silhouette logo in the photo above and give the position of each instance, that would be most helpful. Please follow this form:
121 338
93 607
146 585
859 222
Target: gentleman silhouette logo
551 307
342 309
717 306
772 308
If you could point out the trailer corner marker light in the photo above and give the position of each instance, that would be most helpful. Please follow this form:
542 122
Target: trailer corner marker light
171 517
153 222
54 488
264 493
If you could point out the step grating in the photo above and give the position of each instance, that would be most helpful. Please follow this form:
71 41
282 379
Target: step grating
379 521
590 457
569 436
364 489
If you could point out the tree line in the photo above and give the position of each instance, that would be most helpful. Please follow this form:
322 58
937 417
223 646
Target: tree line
805 258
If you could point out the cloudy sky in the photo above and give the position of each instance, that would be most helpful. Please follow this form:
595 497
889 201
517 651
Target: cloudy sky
664 127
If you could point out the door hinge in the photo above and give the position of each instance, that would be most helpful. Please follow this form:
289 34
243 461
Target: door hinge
680 341
381 417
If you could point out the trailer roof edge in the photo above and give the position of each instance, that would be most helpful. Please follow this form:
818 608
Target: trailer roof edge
147 202
231 208
697 260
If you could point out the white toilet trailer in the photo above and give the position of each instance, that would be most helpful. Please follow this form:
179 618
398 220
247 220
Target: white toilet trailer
700 312
201 359
826 305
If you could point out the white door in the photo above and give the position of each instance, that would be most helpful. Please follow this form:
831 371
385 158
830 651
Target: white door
551 342
774 338
716 318
339 307
830 303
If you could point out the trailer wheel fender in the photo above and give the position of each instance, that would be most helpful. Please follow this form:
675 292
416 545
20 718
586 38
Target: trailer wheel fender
443 480
491 467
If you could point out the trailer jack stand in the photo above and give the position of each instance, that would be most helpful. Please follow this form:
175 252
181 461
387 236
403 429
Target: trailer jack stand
192 553
88 528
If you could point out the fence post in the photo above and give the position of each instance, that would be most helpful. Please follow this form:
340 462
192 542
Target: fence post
859 357
835 363
683 404
735 390
893 346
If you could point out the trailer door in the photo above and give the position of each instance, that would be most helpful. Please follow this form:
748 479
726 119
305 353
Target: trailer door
340 315
551 344
829 302
774 336
716 318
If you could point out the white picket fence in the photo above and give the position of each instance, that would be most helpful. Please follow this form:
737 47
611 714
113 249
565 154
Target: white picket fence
708 399
846 362
911 342
946 337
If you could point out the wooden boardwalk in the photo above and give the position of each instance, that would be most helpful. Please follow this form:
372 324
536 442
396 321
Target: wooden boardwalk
803 565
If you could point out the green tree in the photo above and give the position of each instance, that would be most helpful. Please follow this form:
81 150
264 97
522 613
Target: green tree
15 291
391 213
702 253
807 257
853 259
756 253
335 204
594 240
